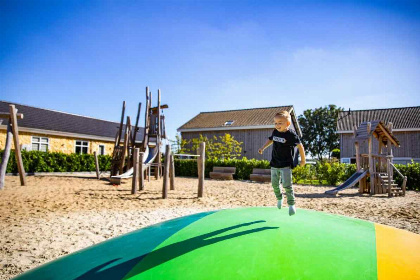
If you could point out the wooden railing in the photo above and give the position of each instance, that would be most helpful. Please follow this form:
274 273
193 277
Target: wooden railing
403 186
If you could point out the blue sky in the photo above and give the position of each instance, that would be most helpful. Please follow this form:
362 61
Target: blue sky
86 57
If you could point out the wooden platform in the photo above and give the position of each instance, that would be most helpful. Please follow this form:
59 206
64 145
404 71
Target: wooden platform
223 173
260 175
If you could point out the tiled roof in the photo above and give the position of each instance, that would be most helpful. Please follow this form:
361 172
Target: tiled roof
401 118
244 117
46 119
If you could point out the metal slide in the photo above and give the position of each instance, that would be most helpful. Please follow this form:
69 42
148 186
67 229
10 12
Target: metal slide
353 180
129 172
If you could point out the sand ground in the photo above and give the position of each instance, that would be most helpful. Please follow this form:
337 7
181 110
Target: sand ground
55 216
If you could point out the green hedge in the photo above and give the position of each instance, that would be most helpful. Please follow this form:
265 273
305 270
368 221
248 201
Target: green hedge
34 161
412 171
325 172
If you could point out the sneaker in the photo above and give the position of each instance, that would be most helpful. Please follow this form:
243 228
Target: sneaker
292 210
279 203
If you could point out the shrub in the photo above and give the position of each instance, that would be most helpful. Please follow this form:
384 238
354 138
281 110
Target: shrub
36 161
412 171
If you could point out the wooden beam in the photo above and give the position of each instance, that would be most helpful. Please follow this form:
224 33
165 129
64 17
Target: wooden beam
136 127
96 165
201 168
125 146
390 138
146 120
4 115
136 171
166 171
371 167
18 154
118 139
155 109
172 173
159 156
6 155
142 171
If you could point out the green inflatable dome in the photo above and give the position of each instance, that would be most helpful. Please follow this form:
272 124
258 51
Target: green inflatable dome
247 243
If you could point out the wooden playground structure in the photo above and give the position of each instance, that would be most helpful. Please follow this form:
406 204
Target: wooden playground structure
12 132
137 160
379 166
154 131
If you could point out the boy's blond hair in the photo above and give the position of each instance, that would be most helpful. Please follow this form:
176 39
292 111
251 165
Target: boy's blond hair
284 114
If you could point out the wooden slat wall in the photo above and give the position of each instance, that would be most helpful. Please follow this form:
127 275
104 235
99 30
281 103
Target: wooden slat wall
409 141
252 139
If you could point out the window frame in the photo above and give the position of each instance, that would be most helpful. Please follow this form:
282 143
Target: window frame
348 160
81 147
40 143
99 149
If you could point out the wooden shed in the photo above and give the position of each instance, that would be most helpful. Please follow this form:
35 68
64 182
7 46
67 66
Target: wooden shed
250 126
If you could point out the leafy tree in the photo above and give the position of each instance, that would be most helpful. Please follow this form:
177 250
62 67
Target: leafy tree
179 145
319 130
226 147
222 147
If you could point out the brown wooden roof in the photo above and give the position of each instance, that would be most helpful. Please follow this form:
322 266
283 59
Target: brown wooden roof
240 118
401 118
378 129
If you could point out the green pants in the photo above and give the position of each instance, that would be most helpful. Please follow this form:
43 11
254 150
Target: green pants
285 175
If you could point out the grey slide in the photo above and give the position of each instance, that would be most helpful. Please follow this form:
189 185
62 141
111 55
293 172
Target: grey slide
129 172
350 182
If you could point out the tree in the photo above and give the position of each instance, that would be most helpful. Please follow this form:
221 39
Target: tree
226 147
179 145
222 147
319 130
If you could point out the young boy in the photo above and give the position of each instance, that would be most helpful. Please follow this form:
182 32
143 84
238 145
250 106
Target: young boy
285 140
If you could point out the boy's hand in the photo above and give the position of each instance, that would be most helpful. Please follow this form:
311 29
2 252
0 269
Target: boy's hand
302 163
260 151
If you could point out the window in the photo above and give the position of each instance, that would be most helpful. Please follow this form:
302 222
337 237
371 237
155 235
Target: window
40 143
102 149
345 160
229 123
82 147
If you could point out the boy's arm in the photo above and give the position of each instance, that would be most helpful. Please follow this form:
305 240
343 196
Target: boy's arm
302 154
268 143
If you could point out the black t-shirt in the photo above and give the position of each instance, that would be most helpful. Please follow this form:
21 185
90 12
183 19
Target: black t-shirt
284 148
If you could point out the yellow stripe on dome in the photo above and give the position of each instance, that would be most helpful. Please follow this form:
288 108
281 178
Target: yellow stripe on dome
398 253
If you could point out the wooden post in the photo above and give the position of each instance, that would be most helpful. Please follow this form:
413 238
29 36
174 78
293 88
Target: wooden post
403 187
97 165
166 171
129 144
136 171
146 121
201 168
125 146
141 171
388 161
159 156
389 146
357 150
118 138
371 169
6 154
172 173
18 154
136 127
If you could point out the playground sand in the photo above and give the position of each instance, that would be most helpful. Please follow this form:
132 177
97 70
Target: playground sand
55 216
